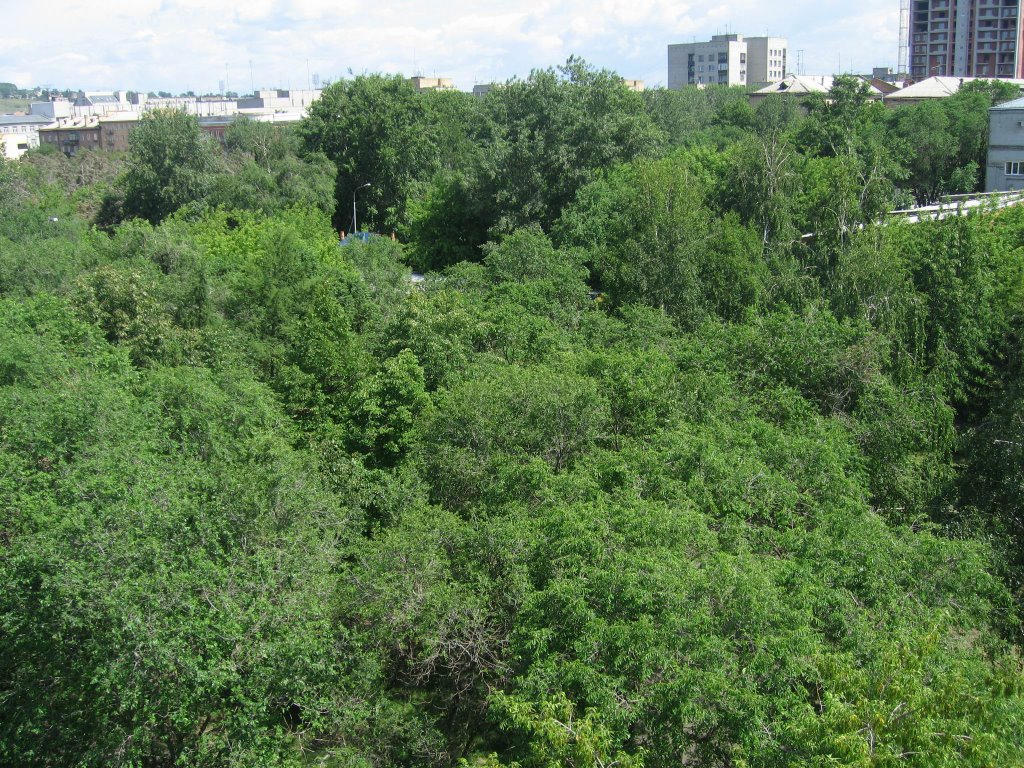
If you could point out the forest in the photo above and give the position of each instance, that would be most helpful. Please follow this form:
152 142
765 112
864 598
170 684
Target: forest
681 453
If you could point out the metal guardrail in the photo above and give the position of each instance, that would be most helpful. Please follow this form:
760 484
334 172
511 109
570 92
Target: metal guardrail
948 205
959 205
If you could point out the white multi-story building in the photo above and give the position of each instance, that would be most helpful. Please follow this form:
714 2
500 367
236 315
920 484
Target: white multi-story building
722 60
727 60
767 59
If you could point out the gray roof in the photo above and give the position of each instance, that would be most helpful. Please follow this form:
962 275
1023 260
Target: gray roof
24 120
1015 104
804 84
93 99
939 87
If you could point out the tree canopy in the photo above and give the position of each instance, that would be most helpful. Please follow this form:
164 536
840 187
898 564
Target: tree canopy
677 454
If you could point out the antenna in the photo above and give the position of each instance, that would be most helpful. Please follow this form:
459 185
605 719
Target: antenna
309 78
252 80
800 61
903 56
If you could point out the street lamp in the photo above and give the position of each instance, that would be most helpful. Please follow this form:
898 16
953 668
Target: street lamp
355 226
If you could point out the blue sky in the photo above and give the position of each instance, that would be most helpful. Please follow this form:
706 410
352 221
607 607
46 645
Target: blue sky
177 45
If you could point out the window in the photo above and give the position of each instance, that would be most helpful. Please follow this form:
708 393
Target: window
1015 168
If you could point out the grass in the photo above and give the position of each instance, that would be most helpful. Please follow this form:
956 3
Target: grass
13 105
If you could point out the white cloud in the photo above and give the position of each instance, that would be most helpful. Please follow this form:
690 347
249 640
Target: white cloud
175 44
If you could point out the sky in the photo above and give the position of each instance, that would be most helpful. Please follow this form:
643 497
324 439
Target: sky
181 45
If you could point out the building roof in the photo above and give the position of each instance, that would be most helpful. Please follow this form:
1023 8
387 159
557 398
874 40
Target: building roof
805 84
120 117
1009 105
939 87
74 124
216 119
92 99
24 120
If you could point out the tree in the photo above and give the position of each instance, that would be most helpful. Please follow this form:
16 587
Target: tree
553 132
376 131
764 177
170 162
653 239
264 172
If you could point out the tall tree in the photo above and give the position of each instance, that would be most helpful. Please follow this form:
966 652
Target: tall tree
170 165
376 130
554 132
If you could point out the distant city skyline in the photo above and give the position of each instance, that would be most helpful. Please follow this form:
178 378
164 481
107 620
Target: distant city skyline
182 45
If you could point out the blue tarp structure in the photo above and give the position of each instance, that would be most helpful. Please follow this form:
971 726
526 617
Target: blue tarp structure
363 237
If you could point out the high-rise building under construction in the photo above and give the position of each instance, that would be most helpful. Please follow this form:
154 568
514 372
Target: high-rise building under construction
965 38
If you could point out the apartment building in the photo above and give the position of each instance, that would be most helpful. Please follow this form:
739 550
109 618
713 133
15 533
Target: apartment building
727 60
767 59
722 60
965 38
20 133
73 135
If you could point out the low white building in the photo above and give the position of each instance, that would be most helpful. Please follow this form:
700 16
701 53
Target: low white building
55 109
279 100
21 133
100 103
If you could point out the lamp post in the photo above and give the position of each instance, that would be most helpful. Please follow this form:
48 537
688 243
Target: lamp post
355 226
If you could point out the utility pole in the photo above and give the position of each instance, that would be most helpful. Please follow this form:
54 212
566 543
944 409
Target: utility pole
355 225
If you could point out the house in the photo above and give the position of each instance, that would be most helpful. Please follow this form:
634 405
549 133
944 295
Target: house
933 88
800 86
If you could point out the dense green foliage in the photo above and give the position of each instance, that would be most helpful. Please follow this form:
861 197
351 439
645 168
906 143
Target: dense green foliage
638 475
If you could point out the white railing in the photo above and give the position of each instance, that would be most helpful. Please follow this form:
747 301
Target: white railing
959 205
